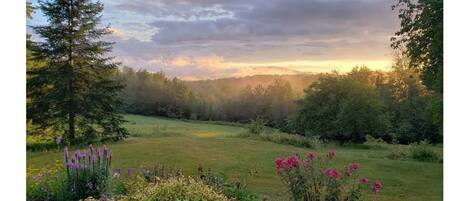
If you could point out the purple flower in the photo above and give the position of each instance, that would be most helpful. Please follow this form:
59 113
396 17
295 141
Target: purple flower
58 140
91 148
105 150
65 154
37 178
100 153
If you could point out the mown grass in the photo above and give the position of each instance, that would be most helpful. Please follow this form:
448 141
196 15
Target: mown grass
187 145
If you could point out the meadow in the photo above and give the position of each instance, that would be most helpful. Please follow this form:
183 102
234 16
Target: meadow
190 144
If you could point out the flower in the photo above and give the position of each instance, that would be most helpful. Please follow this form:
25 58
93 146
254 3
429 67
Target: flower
333 173
90 147
117 173
293 161
364 180
37 178
354 166
278 163
65 154
58 140
331 154
311 155
376 186
286 164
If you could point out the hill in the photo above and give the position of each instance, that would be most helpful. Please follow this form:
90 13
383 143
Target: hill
227 87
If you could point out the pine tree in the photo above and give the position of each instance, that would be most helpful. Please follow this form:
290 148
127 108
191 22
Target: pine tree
77 89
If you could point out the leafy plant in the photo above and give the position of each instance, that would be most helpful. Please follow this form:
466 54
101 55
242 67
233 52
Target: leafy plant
176 188
423 151
87 172
257 125
218 181
313 180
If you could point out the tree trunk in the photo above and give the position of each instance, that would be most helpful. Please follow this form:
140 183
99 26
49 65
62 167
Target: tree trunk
71 103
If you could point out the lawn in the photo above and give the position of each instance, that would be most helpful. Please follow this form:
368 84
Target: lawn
187 144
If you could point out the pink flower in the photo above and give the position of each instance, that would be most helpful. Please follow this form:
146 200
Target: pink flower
376 186
364 180
354 166
278 164
293 161
311 155
333 173
331 154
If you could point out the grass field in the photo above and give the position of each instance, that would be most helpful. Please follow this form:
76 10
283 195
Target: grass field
187 145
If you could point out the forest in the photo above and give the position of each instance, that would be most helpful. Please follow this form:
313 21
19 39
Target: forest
344 107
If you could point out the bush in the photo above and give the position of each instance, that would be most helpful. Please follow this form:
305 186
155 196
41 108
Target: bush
423 151
374 143
234 191
257 125
176 188
398 153
313 180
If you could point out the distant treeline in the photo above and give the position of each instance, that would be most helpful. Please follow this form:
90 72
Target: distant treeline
394 105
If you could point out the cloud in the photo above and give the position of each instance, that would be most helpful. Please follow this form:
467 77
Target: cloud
203 38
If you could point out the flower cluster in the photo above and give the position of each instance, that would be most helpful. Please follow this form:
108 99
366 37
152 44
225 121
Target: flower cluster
314 179
333 173
376 186
285 165
87 171
87 158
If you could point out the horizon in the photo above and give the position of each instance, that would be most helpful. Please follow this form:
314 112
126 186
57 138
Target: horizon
199 40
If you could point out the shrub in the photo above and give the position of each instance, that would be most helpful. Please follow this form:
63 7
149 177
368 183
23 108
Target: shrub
374 143
313 180
423 151
234 191
176 188
398 153
256 126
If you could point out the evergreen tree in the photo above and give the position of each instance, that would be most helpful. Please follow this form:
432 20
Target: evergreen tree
77 89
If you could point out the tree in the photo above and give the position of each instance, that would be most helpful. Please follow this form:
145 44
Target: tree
421 38
341 107
77 89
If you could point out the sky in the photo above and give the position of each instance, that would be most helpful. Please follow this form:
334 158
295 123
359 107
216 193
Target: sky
209 39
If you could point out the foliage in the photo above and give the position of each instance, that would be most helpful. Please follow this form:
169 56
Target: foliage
76 90
79 176
176 188
313 179
342 107
218 181
155 94
421 38
87 172
374 143
47 184
423 152
256 126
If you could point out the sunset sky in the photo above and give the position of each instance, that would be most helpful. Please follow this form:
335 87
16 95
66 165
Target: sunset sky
200 39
